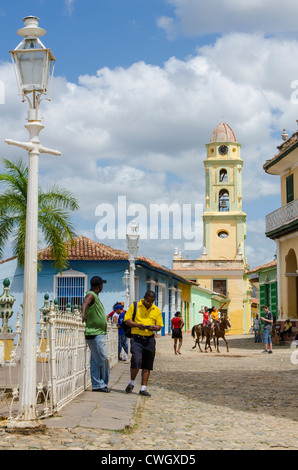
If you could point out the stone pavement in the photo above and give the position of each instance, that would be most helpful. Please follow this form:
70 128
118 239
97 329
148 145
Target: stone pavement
241 400
96 410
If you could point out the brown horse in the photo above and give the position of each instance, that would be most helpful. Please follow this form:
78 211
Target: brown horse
201 331
219 332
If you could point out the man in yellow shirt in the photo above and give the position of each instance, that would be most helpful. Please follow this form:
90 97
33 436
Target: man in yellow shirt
148 320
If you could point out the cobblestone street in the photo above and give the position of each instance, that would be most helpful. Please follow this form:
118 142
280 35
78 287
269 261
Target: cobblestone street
240 400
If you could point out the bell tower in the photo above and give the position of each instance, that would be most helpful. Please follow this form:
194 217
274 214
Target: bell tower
222 266
224 221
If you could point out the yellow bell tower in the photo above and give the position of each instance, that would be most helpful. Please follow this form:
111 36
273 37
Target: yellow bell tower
224 221
222 266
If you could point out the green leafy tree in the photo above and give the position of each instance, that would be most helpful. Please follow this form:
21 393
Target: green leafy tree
53 214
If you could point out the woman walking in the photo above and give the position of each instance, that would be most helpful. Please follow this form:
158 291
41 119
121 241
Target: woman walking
177 325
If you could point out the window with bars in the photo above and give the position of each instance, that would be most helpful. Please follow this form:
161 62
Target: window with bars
70 290
220 286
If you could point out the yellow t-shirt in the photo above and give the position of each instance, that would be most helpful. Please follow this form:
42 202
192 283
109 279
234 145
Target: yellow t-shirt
214 315
152 316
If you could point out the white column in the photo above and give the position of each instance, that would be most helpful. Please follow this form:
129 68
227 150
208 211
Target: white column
27 397
279 294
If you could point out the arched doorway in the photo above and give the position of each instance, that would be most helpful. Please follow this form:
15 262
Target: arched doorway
292 284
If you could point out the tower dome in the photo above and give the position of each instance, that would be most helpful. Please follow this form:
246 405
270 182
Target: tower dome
223 133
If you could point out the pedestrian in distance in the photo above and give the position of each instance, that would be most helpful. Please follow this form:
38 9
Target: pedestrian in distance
93 313
287 329
122 340
148 321
268 320
111 314
176 326
257 329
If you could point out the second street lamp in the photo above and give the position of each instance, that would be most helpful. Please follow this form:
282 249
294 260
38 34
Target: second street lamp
132 239
33 64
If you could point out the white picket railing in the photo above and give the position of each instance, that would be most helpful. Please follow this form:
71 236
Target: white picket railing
63 362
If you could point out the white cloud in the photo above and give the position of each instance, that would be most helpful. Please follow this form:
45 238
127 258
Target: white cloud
140 132
69 5
197 18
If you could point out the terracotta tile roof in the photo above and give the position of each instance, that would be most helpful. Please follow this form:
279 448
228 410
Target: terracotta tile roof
264 266
85 249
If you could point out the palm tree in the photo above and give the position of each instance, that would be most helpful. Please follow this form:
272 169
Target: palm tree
53 217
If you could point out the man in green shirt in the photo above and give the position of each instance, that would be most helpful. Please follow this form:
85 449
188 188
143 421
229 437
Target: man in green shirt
93 313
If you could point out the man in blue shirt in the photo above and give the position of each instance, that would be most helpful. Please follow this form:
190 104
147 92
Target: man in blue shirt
122 340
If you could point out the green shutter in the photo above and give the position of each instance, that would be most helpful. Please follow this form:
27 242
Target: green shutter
262 296
273 298
290 188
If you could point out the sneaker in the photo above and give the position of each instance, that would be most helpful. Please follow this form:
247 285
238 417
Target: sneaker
129 388
265 351
270 352
104 389
144 393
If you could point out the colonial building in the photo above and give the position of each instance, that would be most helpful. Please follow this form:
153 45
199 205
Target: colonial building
222 267
264 280
88 258
282 225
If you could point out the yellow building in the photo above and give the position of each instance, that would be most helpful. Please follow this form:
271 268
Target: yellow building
282 226
222 267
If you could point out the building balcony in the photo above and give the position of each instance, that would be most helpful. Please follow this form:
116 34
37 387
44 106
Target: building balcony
283 220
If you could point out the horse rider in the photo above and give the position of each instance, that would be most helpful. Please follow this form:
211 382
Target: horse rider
215 320
206 316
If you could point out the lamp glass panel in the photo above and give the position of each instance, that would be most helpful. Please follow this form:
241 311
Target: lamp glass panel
31 68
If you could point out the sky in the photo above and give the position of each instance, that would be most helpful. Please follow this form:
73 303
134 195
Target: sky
139 87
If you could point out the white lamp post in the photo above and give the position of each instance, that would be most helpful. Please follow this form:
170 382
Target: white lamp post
33 64
132 245
125 280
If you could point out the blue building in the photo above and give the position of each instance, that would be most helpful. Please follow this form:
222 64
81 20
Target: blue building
88 258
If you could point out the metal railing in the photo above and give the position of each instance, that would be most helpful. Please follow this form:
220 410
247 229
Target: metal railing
283 216
63 361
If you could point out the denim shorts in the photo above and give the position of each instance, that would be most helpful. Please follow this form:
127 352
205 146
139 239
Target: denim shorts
267 337
142 352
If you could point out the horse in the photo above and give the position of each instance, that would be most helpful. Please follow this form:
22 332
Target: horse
219 332
199 331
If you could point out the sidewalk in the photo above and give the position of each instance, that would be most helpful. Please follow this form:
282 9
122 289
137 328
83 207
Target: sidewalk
95 410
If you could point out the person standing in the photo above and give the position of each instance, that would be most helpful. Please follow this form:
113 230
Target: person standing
122 340
268 319
93 313
148 320
176 325
257 329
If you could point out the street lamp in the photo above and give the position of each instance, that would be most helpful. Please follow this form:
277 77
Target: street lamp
132 245
125 280
33 64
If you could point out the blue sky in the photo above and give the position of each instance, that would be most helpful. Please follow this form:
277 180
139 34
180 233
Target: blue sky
139 87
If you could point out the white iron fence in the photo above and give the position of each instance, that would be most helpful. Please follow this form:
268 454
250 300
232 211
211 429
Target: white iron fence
63 361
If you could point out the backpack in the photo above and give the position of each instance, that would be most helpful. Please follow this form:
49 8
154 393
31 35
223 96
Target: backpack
125 327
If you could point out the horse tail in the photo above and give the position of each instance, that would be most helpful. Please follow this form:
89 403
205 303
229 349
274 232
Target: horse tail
193 331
